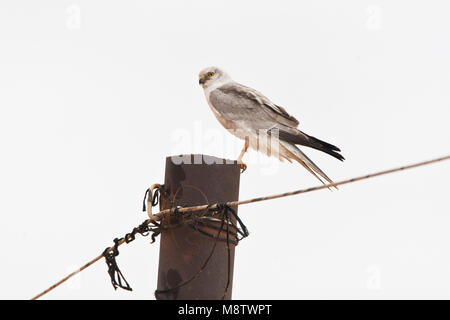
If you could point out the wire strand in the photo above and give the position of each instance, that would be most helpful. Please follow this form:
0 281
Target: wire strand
158 216
292 193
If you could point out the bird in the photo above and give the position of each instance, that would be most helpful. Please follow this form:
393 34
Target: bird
252 117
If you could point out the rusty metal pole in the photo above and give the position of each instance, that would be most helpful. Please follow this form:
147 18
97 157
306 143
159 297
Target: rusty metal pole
199 179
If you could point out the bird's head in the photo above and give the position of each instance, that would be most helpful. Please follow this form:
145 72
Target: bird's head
212 75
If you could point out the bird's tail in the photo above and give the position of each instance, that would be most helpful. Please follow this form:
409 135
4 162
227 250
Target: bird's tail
290 151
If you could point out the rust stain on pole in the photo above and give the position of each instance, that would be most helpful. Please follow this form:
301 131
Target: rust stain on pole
198 180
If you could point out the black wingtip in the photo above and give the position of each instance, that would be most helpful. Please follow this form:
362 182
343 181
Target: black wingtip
324 144
329 148
337 155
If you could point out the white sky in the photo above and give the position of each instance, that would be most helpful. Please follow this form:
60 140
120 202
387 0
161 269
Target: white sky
94 95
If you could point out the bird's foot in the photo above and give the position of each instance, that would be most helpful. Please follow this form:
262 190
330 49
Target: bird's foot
243 166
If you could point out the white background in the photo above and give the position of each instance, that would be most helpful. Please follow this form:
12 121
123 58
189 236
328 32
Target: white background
94 94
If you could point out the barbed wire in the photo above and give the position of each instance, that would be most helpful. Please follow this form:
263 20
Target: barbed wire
153 218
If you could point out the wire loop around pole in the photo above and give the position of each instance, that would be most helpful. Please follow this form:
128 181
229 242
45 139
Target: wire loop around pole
152 197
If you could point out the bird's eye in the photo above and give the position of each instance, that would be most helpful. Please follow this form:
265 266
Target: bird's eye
210 74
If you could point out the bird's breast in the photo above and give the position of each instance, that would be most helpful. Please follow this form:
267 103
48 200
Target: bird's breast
232 126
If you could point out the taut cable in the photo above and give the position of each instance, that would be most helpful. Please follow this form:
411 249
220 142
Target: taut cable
158 216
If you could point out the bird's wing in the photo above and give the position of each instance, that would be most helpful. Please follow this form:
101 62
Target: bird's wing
295 136
236 108
240 99
246 108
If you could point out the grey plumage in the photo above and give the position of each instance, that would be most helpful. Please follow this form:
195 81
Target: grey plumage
247 113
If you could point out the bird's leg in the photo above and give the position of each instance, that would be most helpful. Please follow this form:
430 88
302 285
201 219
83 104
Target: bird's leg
241 155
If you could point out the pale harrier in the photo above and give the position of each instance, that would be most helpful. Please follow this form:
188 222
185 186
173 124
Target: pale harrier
249 115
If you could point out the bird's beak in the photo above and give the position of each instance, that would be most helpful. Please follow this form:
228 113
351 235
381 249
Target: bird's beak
202 79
